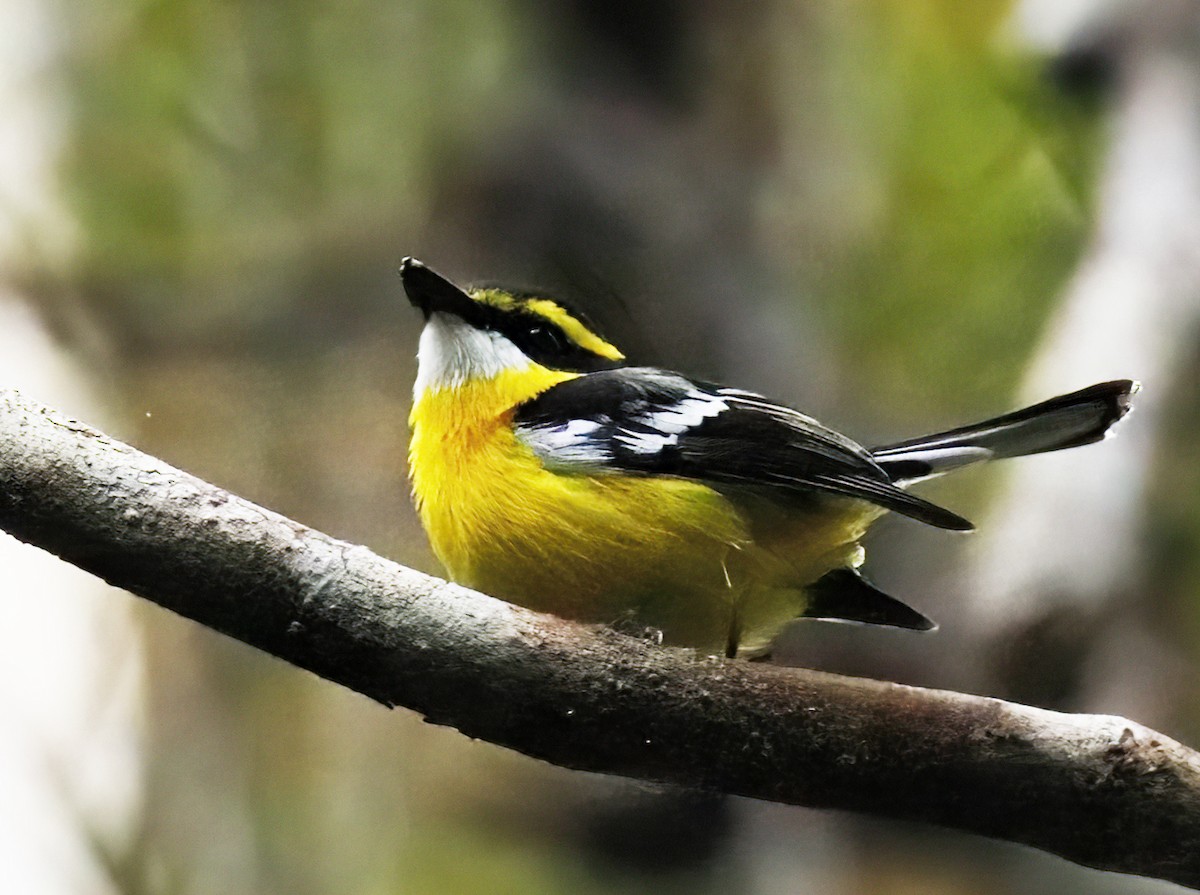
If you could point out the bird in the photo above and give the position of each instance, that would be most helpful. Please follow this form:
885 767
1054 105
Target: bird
549 472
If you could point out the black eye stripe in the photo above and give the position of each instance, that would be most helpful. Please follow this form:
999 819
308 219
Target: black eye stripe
524 325
548 338
540 338
513 323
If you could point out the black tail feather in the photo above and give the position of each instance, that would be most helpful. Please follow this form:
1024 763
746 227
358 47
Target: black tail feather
845 595
1067 421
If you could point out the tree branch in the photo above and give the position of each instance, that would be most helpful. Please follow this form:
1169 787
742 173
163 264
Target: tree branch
1098 790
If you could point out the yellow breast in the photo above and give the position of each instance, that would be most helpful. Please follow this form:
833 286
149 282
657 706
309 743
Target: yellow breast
666 553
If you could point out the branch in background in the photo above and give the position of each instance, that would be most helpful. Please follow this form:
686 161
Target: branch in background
1098 790
1058 540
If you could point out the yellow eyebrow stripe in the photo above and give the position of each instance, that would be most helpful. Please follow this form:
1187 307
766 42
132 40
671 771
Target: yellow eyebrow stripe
551 311
576 331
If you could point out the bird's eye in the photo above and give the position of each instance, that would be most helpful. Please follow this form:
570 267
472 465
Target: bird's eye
545 339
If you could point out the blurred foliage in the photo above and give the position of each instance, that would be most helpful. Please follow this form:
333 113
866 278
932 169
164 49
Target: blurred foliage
222 154
246 176
973 204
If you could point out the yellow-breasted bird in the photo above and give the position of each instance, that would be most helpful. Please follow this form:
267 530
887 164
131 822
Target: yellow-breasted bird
549 474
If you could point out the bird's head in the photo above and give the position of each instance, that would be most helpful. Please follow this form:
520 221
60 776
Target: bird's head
478 333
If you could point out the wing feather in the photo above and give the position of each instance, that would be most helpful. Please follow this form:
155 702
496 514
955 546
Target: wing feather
640 420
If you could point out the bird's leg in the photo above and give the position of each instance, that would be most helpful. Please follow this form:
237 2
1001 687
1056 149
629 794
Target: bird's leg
734 635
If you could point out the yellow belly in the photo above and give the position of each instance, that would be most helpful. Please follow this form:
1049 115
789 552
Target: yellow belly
666 553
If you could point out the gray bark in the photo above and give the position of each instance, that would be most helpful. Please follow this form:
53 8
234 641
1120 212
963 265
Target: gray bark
1098 790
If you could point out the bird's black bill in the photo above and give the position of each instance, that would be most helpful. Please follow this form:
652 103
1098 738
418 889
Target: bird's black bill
844 595
431 292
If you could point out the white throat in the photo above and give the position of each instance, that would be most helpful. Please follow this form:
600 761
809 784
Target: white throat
452 352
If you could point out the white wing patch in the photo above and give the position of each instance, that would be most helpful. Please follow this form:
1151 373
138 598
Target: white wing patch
590 443
664 425
569 444
755 401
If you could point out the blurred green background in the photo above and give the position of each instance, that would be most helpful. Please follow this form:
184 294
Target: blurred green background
865 208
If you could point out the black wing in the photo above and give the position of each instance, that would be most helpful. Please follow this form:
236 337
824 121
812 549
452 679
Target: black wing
653 422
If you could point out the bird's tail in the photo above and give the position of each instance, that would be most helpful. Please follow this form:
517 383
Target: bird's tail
1081 417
